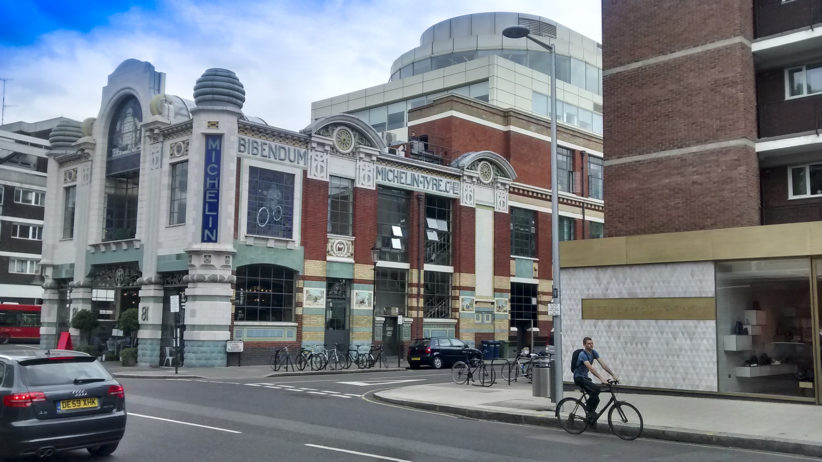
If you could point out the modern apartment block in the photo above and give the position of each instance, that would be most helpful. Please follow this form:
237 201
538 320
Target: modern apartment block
23 162
713 179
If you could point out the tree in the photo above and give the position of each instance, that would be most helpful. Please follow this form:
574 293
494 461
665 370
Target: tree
85 321
129 323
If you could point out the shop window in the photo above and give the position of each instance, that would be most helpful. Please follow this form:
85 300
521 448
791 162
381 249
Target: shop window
390 297
392 224
121 206
438 230
270 203
523 233
264 293
597 230
523 305
29 197
805 181
595 177
564 168
178 193
69 198
340 205
23 266
437 295
29 232
764 327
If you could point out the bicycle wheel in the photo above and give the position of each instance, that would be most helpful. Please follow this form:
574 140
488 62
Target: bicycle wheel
275 361
459 372
317 362
487 377
333 362
571 416
347 361
625 420
529 372
302 361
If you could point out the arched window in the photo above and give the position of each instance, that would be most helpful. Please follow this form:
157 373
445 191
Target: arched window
124 130
123 171
264 293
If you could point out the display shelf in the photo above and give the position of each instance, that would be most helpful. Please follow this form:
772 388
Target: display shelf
762 371
738 342
752 329
755 317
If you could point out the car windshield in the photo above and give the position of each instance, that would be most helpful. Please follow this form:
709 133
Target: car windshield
420 342
63 373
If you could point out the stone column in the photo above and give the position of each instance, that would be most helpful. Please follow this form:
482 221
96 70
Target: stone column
150 317
208 307
48 315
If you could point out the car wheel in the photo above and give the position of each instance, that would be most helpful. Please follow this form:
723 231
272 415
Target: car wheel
103 449
436 363
4 339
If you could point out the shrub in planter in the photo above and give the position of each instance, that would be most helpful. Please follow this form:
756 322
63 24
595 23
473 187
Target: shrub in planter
128 357
90 349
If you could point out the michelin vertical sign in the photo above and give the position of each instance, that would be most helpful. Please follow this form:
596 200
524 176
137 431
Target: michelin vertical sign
211 188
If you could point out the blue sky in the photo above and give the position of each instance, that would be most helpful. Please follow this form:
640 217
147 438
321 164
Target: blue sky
288 53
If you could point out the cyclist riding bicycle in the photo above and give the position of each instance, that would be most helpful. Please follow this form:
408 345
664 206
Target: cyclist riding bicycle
584 364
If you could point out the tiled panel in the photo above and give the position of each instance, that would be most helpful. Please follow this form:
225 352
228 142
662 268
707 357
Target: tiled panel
657 354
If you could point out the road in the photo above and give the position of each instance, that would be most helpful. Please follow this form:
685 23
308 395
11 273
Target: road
334 417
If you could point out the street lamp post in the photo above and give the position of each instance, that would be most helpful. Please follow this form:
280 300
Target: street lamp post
515 32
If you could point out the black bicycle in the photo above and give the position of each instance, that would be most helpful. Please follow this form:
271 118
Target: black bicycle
281 358
473 369
624 419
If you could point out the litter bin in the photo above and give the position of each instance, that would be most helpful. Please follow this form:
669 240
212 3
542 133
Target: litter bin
487 350
494 349
503 349
541 379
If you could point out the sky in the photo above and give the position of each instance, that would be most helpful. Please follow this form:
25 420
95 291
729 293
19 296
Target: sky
57 54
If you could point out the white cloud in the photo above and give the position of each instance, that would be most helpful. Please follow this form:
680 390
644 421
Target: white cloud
286 53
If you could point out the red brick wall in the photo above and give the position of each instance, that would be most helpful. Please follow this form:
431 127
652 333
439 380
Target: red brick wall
711 190
365 224
777 208
633 30
683 102
502 244
463 240
686 102
544 245
529 156
315 218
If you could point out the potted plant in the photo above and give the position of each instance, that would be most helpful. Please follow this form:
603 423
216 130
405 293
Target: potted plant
85 321
128 357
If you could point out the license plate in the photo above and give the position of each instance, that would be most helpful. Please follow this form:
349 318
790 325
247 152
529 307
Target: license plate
415 358
80 403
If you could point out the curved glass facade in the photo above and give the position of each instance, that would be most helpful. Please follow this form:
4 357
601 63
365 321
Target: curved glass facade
569 70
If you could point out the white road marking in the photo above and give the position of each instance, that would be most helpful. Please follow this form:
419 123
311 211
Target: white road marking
371 383
255 384
317 393
341 396
375 456
183 423
330 391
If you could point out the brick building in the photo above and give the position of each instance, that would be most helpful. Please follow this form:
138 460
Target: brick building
265 235
711 177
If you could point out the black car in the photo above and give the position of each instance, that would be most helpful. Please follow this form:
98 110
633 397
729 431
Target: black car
438 352
57 400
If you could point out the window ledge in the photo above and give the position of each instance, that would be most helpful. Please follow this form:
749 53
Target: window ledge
440 320
266 323
525 258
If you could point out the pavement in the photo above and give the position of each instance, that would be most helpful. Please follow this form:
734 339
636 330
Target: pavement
743 423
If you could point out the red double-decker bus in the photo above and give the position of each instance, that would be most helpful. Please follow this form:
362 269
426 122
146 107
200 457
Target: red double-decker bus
19 323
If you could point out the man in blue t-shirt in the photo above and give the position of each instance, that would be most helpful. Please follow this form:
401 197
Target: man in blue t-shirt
585 362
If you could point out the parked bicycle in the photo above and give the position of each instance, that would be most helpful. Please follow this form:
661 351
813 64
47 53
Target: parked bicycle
473 369
281 358
519 367
351 356
624 419
372 358
309 358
